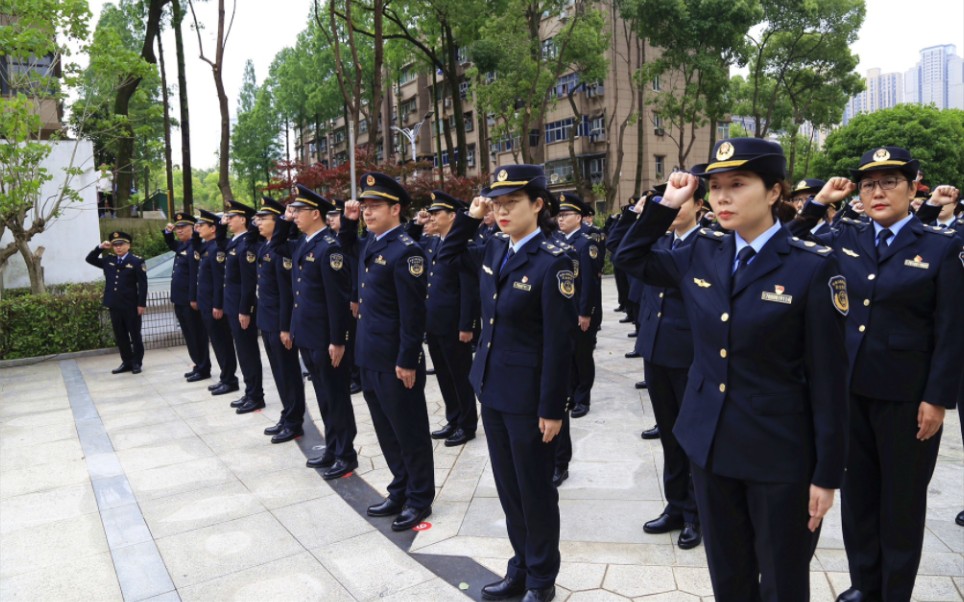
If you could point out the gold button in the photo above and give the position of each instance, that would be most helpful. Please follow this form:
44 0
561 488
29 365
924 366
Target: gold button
299 279
495 296
363 285
491 320
361 301
359 316
661 295
296 305
429 284
297 292
866 302
366 270
431 273
659 314
722 388
488 345
862 328
871 276
725 317
723 353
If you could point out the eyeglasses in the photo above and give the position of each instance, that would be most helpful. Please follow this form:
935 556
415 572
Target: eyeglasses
508 204
119 243
884 183
371 206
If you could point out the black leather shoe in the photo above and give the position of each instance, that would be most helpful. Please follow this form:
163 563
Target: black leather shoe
386 507
559 475
509 587
274 430
237 403
225 388
409 517
136 369
664 524
287 435
960 518
579 410
641 385
191 373
339 469
851 595
322 461
632 335
459 437
121 368
214 386
540 595
198 376
251 406
625 320
445 432
356 388
689 537
633 354
652 433
620 309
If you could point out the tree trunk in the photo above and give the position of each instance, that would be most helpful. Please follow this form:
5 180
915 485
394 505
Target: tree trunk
186 172
578 180
377 74
35 270
169 168
640 121
452 58
224 181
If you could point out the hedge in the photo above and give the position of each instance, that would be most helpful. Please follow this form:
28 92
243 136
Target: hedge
148 234
70 320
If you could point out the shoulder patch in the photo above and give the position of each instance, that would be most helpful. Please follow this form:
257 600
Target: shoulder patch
593 251
550 248
406 239
838 294
567 283
336 261
416 265
811 246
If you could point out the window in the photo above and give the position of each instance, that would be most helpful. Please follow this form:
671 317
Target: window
656 85
323 145
563 85
557 131
340 136
409 106
464 88
660 167
462 55
722 130
549 49
490 77
598 125
470 155
33 75
407 75
560 172
362 126
657 120
469 121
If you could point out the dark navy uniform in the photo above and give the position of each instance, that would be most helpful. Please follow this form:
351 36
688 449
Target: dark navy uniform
210 296
905 343
392 285
764 413
452 306
275 302
240 283
320 318
622 281
125 290
521 374
183 280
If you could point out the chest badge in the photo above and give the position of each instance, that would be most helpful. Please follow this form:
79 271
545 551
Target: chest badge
286 263
917 262
337 260
701 283
380 260
220 257
567 283
310 257
197 256
251 257
849 252
838 294
522 286
416 266
593 252
777 295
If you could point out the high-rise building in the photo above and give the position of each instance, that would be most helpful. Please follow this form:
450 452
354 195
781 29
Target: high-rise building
938 78
883 90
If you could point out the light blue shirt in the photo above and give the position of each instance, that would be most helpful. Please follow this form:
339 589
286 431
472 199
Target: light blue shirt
515 247
384 234
314 234
685 235
757 243
895 229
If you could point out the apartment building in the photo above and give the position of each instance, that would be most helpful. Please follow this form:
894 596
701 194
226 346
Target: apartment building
409 99
16 70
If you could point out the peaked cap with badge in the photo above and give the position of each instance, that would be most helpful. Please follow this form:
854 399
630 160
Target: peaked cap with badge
886 158
811 185
570 201
117 235
269 206
311 199
184 219
208 217
442 201
377 186
239 208
745 154
530 178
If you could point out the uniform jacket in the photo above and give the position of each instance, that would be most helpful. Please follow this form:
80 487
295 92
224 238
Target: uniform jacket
905 331
452 300
275 298
587 253
392 282
184 273
210 273
766 397
240 273
524 353
126 282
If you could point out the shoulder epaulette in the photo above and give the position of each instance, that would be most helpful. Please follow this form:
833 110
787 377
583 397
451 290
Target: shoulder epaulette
501 235
851 220
711 234
330 239
591 237
939 230
811 246
138 257
405 238
550 248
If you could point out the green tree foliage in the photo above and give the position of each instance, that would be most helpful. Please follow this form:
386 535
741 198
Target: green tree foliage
932 136
45 75
254 145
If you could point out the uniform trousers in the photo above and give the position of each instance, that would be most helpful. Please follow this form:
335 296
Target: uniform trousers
196 339
666 388
522 465
332 390
756 537
287 378
564 443
400 418
452 360
219 333
127 334
350 351
583 365
249 356
884 496
622 286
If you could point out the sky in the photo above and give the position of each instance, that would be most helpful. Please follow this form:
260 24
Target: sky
892 35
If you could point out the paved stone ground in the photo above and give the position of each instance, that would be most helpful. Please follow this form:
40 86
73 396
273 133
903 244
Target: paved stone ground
145 487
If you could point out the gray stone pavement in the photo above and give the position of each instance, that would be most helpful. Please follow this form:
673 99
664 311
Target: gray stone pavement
147 488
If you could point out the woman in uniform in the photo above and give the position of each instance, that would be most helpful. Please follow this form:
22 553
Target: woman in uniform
905 343
521 369
763 418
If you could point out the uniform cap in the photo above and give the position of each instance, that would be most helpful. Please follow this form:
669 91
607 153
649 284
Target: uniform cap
813 185
239 208
208 217
513 178
886 158
442 201
117 235
269 206
759 156
311 199
184 219
570 201
377 186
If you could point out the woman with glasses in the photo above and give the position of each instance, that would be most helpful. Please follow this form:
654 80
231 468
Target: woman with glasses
905 344
521 369
763 419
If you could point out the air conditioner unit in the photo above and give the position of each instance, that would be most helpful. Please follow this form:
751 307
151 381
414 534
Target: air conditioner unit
659 131
447 103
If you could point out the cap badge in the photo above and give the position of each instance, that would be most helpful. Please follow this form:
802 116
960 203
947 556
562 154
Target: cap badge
433 196
882 155
370 180
503 175
562 198
725 151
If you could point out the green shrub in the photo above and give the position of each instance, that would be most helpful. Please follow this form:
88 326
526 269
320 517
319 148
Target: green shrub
147 233
69 320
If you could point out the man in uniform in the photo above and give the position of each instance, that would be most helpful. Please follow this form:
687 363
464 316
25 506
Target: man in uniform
210 299
125 295
391 324
183 278
351 264
240 282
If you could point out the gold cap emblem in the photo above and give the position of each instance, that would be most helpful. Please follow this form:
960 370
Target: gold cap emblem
881 155
801 184
503 175
370 180
725 151
562 198
433 196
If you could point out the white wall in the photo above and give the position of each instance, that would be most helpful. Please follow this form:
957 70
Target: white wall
69 237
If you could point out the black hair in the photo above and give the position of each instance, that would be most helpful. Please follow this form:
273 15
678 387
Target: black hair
544 220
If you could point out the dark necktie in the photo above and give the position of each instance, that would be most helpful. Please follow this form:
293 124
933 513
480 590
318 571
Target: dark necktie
744 256
883 239
676 242
505 259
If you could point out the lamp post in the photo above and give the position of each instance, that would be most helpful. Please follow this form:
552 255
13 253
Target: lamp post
412 133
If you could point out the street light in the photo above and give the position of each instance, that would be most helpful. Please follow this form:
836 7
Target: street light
412 133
